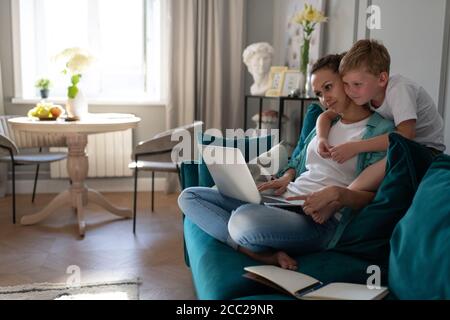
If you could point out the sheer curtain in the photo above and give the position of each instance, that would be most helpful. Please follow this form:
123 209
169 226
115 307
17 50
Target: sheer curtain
206 74
3 166
205 64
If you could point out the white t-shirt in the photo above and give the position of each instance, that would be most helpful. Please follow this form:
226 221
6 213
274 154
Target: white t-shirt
406 100
326 172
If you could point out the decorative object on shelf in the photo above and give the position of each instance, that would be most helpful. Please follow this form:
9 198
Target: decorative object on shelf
76 62
43 84
277 81
308 85
293 79
307 19
258 59
269 119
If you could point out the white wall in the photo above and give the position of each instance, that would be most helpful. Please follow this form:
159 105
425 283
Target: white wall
413 32
446 90
340 28
259 27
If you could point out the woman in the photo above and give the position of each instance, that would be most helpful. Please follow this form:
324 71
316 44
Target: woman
269 234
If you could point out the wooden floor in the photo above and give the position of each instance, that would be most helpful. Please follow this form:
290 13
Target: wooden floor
109 251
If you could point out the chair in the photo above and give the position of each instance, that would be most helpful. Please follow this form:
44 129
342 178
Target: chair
11 144
155 155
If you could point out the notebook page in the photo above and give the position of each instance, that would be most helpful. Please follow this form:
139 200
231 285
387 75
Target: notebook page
346 291
289 280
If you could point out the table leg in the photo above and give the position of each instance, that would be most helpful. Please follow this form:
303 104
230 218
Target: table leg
97 198
61 200
78 195
80 215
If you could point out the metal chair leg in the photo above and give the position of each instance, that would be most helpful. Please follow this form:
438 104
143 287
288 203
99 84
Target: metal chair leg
35 179
135 199
153 191
14 192
35 183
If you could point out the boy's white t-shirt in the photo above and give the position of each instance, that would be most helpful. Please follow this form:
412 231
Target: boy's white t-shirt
326 172
406 100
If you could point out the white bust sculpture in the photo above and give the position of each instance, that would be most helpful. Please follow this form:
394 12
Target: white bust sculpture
258 59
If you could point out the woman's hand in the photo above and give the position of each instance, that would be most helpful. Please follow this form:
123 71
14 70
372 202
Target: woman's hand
323 148
344 152
316 201
279 185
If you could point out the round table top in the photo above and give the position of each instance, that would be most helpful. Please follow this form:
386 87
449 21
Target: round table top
93 123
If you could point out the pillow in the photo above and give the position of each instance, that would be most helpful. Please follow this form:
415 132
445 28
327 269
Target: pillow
245 144
419 264
264 166
366 233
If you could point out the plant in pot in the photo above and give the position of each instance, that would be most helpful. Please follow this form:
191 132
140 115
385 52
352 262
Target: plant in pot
43 84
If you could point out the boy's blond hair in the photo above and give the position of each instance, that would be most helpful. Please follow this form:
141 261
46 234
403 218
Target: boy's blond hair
370 55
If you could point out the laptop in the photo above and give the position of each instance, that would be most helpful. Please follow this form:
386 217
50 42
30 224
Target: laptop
233 179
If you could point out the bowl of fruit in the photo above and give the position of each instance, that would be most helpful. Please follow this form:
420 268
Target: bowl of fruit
46 111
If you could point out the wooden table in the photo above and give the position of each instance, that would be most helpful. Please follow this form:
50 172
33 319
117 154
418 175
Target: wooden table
78 195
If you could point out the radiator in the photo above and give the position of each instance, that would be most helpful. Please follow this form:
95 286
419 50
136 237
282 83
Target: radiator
109 155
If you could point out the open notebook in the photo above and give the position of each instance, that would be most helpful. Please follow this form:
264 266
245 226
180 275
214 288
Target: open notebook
305 287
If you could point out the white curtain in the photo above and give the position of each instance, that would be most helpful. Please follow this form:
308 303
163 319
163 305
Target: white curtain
206 73
3 166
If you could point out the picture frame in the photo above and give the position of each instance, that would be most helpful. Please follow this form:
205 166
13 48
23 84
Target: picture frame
292 81
276 80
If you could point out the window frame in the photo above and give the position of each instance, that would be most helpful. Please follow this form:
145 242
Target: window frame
140 101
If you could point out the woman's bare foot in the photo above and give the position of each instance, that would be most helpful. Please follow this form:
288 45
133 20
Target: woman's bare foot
326 213
321 199
278 258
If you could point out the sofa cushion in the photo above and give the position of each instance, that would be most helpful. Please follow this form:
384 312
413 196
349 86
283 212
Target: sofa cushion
189 174
419 264
366 233
245 144
217 269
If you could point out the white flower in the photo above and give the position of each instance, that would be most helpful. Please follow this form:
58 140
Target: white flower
79 63
76 60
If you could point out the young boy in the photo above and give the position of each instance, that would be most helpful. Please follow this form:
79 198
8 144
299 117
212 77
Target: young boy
365 73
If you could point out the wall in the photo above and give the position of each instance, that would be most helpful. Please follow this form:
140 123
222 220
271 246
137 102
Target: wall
446 90
415 45
340 29
259 27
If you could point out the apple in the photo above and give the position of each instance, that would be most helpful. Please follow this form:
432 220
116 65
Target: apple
56 111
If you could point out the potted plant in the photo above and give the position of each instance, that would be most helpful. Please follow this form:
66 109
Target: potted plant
43 84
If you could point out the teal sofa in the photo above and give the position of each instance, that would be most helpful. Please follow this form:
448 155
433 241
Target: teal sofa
396 232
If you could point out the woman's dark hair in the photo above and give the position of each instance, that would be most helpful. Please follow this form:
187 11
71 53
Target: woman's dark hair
331 62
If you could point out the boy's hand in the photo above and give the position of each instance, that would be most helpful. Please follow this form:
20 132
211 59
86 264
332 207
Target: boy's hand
344 152
279 185
323 148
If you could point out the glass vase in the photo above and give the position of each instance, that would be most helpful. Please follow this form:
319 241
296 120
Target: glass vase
304 62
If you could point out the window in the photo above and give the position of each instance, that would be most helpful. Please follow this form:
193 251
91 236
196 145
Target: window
124 36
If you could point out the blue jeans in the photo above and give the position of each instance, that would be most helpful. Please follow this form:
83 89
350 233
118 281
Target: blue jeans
256 227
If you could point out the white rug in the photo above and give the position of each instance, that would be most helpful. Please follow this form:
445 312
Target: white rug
111 290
